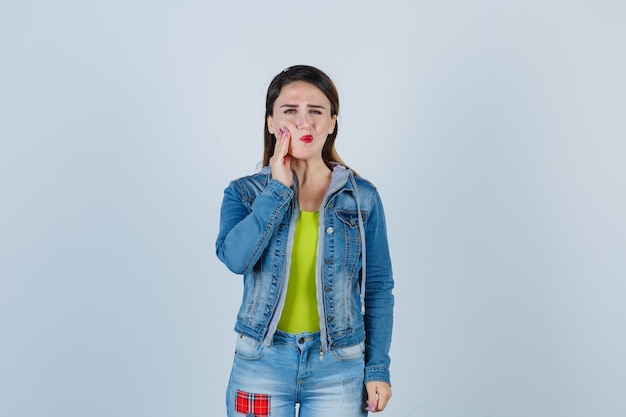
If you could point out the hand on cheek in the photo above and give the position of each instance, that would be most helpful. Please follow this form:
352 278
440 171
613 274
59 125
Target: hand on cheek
280 162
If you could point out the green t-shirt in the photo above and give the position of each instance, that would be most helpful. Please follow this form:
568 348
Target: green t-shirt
300 310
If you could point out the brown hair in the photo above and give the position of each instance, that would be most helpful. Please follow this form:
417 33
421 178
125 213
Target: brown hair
320 80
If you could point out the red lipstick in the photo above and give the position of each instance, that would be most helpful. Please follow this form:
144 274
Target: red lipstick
307 138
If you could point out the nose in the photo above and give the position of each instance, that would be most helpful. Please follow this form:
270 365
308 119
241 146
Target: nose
302 122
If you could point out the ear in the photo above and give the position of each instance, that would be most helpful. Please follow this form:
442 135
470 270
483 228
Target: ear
270 125
332 124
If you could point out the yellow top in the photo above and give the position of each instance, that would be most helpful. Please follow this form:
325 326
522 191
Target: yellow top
300 311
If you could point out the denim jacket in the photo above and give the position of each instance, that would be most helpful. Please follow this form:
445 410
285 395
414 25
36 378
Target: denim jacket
257 224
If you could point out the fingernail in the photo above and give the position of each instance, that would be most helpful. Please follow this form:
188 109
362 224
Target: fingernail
372 406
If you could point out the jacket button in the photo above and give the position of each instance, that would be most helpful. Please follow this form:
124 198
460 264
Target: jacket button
329 261
329 230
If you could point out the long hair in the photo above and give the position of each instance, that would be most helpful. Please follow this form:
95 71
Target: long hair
320 80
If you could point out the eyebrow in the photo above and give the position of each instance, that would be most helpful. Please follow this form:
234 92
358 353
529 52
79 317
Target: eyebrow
311 106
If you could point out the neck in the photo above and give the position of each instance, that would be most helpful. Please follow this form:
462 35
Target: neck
309 171
314 178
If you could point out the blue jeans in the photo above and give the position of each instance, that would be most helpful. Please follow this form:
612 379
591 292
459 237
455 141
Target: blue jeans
271 380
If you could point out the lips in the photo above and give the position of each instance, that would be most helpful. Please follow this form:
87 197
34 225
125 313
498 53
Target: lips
307 138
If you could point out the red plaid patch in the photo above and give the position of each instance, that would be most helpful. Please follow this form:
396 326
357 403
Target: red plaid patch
257 405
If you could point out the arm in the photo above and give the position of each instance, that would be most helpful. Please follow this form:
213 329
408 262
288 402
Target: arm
379 303
379 299
245 231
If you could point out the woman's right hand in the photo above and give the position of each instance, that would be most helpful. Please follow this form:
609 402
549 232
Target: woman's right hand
280 162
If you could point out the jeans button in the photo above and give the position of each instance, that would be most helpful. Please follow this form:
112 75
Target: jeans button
301 340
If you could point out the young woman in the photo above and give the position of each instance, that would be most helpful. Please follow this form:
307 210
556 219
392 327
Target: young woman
309 236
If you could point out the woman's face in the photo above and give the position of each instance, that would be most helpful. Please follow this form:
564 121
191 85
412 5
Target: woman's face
305 111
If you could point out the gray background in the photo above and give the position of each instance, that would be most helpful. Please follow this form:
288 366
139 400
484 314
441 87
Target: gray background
494 131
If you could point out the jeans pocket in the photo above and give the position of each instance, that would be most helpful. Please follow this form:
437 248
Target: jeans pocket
350 352
249 349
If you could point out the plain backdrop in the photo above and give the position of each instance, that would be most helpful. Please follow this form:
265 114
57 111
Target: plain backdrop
494 131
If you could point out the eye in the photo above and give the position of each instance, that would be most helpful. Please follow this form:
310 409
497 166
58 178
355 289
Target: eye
316 111
290 111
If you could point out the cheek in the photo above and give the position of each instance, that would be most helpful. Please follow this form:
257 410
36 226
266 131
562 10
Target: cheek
281 121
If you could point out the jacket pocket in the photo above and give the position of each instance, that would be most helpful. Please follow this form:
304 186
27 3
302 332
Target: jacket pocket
351 217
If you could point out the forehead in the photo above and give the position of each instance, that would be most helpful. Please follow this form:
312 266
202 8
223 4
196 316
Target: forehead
301 91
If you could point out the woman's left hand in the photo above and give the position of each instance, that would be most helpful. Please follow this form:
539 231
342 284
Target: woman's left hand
378 394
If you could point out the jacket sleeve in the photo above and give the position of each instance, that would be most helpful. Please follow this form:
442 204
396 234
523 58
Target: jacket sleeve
245 229
379 299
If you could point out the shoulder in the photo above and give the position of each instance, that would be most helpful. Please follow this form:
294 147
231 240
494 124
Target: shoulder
367 194
364 184
253 183
350 180
364 189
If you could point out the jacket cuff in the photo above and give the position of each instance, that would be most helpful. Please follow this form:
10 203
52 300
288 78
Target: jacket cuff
279 190
377 373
